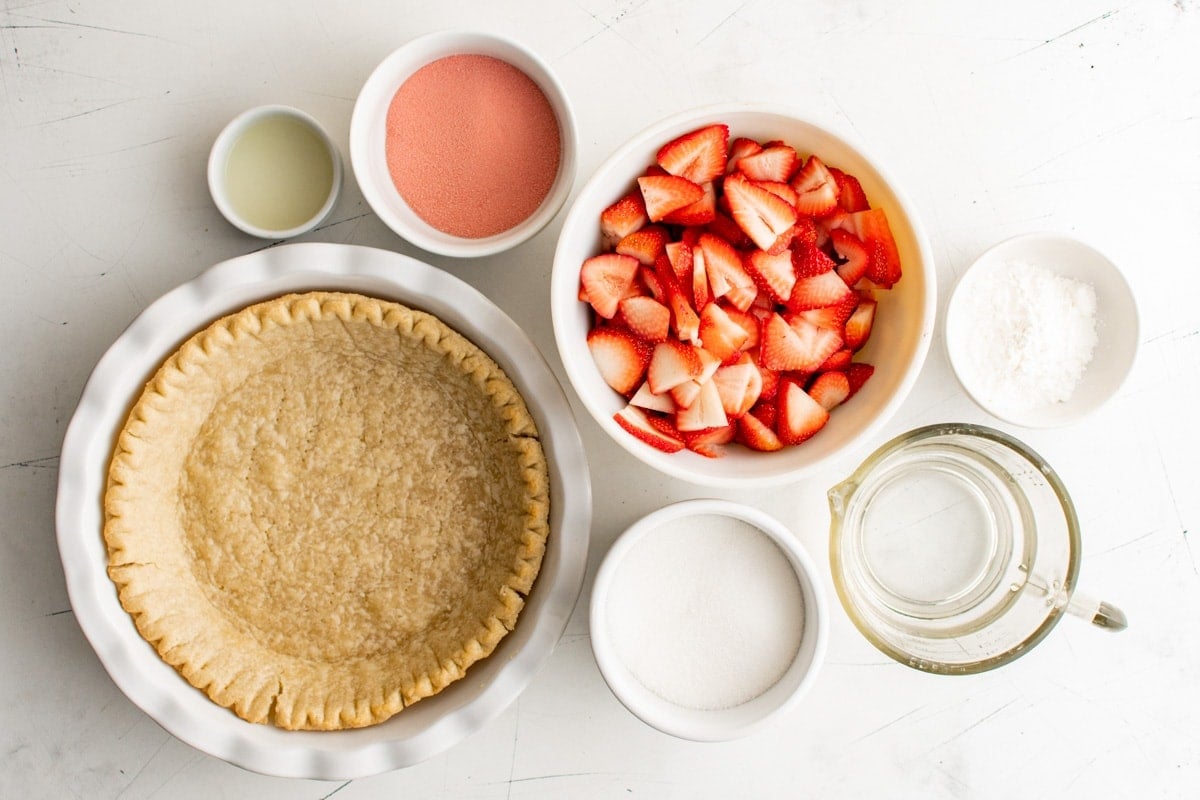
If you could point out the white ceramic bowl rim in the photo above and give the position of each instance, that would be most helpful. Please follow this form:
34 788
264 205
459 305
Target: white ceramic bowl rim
769 468
219 154
368 127
723 724
1117 324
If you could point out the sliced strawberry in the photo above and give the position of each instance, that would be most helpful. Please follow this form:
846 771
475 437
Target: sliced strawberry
858 327
764 411
817 191
728 230
671 364
699 156
645 244
687 323
809 260
622 218
742 297
684 394
738 149
851 196
857 374
719 334
799 416
838 361
634 420
799 345
757 436
781 190
763 216
619 356
832 317
852 249
770 382
648 277
701 212
773 274
723 264
747 322
705 412
701 290
830 389
819 291
871 227
680 255
707 442
806 231
644 398
776 163
647 318
739 386
606 280
666 193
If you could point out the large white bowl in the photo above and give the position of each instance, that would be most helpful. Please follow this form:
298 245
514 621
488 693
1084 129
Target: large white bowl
368 136
427 727
899 341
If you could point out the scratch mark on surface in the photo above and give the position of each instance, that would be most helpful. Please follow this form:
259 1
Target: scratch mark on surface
1134 540
45 462
57 613
79 114
721 24
887 725
512 763
973 726
1162 461
556 775
335 791
1079 27
68 24
145 764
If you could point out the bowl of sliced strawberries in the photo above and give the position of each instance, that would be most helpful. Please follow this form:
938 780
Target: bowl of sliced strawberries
739 294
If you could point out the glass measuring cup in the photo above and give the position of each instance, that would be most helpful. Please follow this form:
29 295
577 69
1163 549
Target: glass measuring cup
955 548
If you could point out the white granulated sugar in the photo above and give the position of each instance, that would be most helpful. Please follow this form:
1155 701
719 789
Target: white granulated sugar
706 612
1030 334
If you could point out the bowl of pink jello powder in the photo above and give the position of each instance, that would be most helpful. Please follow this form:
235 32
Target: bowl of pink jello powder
463 143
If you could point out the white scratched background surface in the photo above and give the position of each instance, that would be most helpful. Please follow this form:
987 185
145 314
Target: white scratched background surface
996 118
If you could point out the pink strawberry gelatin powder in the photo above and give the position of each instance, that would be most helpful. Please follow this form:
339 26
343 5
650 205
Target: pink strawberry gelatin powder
472 145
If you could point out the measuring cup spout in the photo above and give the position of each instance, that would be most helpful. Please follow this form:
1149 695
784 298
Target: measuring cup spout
1099 613
839 497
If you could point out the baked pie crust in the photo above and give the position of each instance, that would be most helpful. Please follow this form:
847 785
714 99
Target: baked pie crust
324 508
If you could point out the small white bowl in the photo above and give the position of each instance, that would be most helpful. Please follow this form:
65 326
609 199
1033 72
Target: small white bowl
899 341
1117 326
218 159
368 137
727 723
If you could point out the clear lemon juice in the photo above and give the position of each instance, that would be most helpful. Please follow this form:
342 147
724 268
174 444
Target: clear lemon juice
279 173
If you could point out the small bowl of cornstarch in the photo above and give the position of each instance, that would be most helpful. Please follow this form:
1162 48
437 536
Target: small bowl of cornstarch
1041 330
708 620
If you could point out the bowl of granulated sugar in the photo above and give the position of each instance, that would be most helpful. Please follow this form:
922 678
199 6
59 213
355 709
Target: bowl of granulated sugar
463 143
1041 330
708 620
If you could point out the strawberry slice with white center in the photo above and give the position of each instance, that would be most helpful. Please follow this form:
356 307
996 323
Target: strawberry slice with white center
773 274
644 398
851 196
620 357
748 323
666 193
838 361
687 323
851 248
634 420
644 244
830 389
701 212
720 335
647 318
776 163
819 291
622 218
699 156
763 216
781 190
606 280
687 392
799 346
648 277
858 327
739 386
798 416
739 148
753 433
708 442
705 411
723 265
832 317
816 190
673 363
728 230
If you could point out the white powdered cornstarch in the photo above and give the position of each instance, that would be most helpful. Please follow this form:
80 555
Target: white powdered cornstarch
706 612
1030 334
